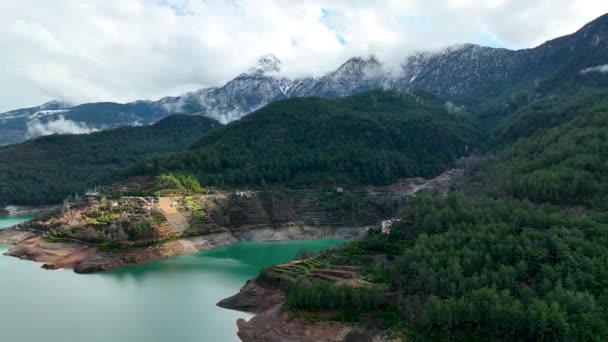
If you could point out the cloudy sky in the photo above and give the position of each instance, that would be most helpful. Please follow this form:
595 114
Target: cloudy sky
123 50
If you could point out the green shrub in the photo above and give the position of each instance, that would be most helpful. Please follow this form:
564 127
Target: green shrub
108 246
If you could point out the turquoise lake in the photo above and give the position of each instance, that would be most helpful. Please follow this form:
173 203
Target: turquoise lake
9 221
170 300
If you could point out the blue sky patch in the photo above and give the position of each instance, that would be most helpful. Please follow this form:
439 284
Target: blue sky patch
326 12
179 10
486 39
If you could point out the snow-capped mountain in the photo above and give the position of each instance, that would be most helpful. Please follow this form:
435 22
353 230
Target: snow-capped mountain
268 63
42 110
469 72
263 84
465 74
245 93
458 71
12 123
355 76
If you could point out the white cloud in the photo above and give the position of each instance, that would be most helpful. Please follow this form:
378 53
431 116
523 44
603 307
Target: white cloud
599 68
116 50
61 125
452 108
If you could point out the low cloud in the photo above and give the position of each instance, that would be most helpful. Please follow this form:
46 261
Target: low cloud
61 125
225 117
599 68
452 108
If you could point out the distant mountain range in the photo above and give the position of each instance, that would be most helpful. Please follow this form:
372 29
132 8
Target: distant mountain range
466 75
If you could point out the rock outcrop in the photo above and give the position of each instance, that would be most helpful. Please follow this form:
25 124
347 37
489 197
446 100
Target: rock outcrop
254 297
277 325
87 258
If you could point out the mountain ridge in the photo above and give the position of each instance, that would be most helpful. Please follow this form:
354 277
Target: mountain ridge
48 168
466 74
376 137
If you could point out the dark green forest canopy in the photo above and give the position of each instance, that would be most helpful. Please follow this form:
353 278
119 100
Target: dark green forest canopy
548 112
370 138
46 169
506 268
477 269
564 164
503 270
527 262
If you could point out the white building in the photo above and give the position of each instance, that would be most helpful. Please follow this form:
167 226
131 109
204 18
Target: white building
386 225
245 194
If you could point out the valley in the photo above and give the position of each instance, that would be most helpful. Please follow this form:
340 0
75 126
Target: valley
462 197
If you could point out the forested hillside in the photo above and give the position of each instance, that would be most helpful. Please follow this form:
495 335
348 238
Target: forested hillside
564 165
523 258
371 138
512 246
546 113
46 169
499 270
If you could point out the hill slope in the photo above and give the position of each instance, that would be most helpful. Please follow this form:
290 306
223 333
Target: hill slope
547 113
561 164
371 138
46 169
525 264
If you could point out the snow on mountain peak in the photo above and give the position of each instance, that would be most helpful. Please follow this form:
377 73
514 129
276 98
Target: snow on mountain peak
269 63
53 105
456 73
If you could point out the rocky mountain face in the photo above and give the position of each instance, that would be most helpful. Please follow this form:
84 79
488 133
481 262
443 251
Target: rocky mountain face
466 74
244 94
355 76
44 109
460 71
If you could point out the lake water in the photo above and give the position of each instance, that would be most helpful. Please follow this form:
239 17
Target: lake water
171 300
9 221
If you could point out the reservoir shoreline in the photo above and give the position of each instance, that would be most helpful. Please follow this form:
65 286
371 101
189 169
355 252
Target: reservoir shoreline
88 258
17 210
254 298
140 301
